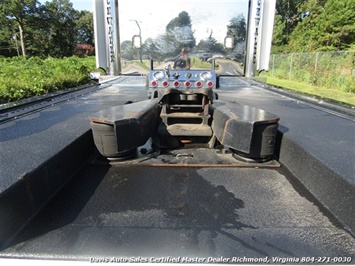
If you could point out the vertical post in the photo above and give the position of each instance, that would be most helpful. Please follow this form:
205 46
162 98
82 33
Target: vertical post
266 28
107 39
260 27
290 72
100 36
316 64
253 22
140 39
110 35
117 41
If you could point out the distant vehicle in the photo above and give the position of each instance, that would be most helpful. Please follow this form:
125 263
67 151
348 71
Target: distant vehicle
204 56
231 57
214 57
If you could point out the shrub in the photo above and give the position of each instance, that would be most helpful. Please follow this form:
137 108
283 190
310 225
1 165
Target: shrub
84 50
22 78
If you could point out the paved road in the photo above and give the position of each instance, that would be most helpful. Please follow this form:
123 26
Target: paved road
228 67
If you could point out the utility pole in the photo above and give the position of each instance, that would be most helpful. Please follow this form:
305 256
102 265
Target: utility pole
140 37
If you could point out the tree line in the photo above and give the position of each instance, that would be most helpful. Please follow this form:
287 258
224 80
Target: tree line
53 29
56 29
179 34
314 25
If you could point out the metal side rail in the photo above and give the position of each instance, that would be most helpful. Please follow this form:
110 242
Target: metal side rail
24 107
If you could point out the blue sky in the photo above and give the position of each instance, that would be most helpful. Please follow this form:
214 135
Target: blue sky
82 4
78 4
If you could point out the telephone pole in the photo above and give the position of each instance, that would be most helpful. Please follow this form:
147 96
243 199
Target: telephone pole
140 37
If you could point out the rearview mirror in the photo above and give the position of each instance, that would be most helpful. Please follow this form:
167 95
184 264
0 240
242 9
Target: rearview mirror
229 42
137 41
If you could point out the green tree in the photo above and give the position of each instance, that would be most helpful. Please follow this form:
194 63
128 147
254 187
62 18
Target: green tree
52 29
128 51
337 25
288 10
179 32
279 39
22 13
210 45
151 49
237 28
59 26
9 39
286 20
85 27
328 27
182 20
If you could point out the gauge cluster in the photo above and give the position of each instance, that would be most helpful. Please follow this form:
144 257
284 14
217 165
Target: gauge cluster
182 79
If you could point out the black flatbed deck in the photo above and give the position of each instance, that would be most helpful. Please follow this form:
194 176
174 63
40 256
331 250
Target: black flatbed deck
113 209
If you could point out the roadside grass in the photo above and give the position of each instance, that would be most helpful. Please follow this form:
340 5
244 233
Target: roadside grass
35 76
197 63
336 95
145 64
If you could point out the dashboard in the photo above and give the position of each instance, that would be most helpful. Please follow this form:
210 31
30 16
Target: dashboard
182 79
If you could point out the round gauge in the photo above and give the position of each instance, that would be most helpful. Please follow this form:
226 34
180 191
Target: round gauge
176 75
159 75
206 75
